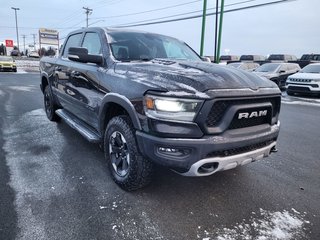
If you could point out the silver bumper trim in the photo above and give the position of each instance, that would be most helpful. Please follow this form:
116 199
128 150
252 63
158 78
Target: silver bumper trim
226 163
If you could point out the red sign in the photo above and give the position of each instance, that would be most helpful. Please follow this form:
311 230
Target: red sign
9 43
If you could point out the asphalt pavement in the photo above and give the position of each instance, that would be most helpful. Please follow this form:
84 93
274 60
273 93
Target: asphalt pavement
56 185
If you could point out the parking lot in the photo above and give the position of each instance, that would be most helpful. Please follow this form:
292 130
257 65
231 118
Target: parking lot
56 185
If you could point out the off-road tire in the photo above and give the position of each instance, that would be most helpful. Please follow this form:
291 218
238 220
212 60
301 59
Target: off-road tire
139 170
49 105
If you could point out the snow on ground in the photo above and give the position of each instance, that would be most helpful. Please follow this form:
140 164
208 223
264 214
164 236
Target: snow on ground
264 225
29 88
27 65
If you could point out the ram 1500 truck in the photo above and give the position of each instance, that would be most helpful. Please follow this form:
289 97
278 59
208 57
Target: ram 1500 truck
149 99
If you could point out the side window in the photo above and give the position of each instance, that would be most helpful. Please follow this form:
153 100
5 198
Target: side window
92 43
73 41
283 68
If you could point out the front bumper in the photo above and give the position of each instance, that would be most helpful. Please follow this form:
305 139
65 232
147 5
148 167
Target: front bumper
312 88
8 68
187 156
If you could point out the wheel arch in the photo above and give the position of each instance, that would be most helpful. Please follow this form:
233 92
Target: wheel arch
44 82
114 104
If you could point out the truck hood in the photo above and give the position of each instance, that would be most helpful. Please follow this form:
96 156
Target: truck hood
190 77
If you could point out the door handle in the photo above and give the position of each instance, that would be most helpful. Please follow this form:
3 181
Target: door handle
58 69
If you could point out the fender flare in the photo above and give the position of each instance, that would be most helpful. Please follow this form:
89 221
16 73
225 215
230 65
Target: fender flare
121 101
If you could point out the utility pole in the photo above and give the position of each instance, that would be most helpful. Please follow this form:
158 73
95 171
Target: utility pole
220 30
15 11
216 32
203 26
34 41
87 12
24 43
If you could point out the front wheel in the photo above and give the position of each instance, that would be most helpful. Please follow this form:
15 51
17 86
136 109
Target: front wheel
129 169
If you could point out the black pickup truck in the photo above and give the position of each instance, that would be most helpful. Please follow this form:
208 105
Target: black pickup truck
149 99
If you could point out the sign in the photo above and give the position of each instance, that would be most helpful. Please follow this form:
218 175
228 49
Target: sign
48 36
9 43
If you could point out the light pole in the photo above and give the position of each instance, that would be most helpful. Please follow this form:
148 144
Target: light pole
204 14
15 11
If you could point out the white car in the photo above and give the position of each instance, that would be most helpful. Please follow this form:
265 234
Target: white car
305 81
33 54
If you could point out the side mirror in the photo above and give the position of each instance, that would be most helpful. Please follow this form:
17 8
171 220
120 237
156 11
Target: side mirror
78 54
282 71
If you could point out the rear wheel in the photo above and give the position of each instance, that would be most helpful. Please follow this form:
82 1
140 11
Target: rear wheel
49 105
129 169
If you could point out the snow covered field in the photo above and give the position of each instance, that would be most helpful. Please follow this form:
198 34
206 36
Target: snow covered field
27 65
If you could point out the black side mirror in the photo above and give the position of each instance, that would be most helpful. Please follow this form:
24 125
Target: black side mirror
282 71
78 54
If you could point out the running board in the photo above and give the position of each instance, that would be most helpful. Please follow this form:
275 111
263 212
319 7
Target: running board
78 125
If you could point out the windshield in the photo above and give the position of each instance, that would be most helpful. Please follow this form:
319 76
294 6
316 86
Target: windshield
246 58
276 57
268 67
130 46
311 69
5 59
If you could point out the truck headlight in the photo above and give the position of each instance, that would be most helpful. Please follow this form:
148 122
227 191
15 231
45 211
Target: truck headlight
169 108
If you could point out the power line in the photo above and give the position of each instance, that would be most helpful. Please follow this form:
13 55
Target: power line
187 13
148 11
198 16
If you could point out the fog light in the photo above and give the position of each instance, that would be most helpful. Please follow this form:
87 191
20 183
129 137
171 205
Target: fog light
175 152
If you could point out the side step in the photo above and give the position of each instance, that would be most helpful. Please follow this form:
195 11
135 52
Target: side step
79 125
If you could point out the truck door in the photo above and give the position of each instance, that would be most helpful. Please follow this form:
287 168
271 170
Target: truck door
62 73
84 81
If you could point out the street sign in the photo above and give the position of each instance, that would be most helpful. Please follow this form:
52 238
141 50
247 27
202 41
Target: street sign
48 36
9 43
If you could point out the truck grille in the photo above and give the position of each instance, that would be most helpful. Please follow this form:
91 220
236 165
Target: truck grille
220 107
299 89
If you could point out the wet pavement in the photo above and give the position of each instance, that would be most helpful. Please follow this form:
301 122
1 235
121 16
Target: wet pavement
56 185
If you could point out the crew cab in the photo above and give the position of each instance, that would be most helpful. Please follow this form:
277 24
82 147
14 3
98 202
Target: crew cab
149 100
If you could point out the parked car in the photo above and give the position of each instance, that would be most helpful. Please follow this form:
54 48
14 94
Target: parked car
14 52
33 54
252 58
149 99
306 59
247 66
277 72
306 81
282 58
7 64
225 59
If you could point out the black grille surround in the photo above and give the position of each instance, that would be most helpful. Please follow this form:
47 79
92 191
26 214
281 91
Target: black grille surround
221 106
235 151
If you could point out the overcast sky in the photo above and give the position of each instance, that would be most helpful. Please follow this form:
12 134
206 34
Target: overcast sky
291 27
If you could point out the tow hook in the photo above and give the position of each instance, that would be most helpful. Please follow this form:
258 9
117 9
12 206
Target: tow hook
274 149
